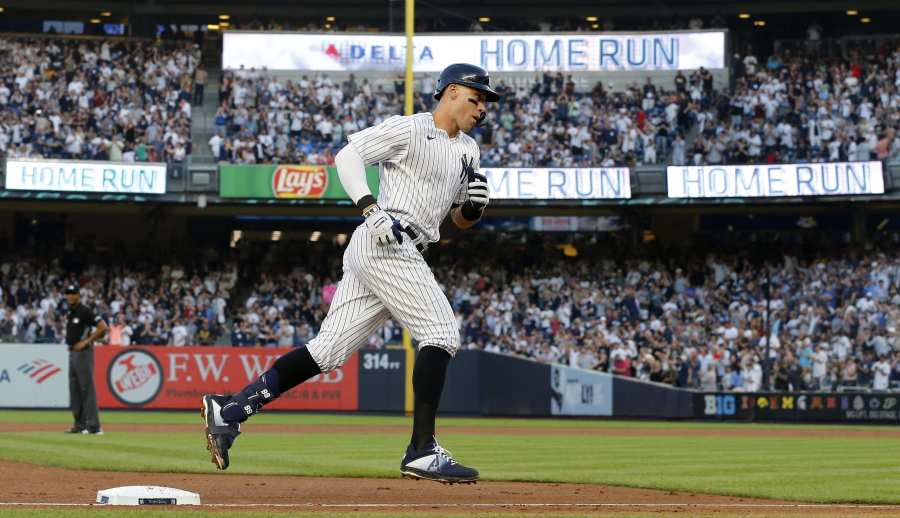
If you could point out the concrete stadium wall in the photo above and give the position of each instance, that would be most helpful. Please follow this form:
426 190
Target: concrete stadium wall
478 383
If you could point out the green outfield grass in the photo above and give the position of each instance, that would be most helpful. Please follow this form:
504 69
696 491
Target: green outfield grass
192 417
833 469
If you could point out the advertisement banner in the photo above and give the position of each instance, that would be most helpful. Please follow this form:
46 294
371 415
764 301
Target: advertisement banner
775 180
86 176
580 392
869 407
34 376
576 223
176 378
286 182
315 182
496 52
558 184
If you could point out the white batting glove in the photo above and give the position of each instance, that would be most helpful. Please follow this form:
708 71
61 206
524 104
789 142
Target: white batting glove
381 225
477 192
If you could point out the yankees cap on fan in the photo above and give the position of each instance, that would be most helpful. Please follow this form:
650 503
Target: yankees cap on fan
466 75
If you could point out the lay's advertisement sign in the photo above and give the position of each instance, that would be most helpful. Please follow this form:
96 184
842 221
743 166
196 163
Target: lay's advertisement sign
286 182
304 181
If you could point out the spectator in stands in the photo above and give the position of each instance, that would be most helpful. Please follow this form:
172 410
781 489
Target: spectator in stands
204 335
200 77
708 379
733 380
179 333
819 367
120 332
881 371
689 374
850 375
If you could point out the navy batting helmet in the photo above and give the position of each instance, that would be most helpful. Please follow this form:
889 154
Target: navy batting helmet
466 75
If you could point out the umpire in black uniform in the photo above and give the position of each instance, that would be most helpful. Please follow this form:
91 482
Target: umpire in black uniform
80 340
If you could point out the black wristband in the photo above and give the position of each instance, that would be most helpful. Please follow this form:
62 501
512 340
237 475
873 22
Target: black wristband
365 201
470 212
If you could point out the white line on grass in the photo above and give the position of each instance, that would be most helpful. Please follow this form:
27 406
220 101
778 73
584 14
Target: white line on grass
497 505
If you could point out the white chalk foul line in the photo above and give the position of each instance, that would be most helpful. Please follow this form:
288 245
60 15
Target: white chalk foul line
497 505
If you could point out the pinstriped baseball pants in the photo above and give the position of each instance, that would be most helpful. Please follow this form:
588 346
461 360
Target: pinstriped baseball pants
380 282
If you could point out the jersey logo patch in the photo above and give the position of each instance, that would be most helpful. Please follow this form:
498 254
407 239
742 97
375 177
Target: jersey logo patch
468 169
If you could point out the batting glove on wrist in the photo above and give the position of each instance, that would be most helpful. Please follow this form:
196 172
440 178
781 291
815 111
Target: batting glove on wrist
477 192
384 229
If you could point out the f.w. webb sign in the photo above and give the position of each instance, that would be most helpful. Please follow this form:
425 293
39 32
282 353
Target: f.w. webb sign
775 180
176 377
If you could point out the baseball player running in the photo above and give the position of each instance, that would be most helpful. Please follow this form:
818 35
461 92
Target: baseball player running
428 168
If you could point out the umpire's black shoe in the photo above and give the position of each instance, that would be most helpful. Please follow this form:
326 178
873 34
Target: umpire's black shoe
435 463
75 429
219 434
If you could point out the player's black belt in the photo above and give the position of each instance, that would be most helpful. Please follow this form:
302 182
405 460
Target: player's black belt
422 246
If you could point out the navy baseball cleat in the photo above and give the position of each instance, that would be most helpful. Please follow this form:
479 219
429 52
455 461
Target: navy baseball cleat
219 434
435 463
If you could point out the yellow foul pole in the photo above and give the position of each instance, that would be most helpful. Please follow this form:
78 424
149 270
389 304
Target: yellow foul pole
410 29
408 110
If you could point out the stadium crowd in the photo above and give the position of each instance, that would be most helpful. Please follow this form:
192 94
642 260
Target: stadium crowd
96 99
165 305
800 107
690 322
262 119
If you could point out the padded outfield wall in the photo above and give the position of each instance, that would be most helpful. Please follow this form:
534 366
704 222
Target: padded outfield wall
478 383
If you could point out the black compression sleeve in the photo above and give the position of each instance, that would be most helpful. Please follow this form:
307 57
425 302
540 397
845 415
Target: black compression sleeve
470 211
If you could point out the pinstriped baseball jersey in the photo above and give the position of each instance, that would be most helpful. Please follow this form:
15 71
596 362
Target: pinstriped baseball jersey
380 282
421 174
421 178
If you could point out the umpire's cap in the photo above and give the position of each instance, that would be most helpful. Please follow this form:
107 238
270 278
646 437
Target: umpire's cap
466 75
71 289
